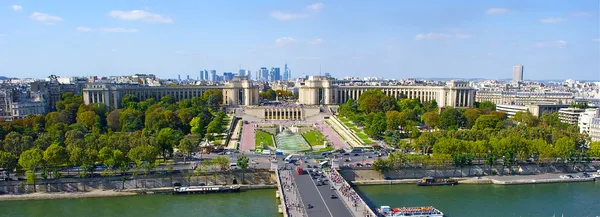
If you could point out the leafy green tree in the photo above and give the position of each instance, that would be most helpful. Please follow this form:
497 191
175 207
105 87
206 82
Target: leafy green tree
431 118
112 120
198 126
88 119
488 122
426 141
394 119
377 125
187 145
129 101
242 162
31 159
564 148
486 106
131 120
595 149
8 161
55 156
471 115
381 166
370 101
451 118
57 117
16 144
222 162
166 139
526 118
552 120
430 106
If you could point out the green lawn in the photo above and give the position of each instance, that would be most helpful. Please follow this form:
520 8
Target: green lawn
314 137
359 132
265 138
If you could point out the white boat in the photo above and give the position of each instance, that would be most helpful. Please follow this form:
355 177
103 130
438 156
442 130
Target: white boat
424 211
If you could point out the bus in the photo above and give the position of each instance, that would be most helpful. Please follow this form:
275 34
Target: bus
323 164
288 158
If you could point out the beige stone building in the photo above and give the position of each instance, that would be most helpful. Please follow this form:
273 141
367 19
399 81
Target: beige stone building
320 90
239 91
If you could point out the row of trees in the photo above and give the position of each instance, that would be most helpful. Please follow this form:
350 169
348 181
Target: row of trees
271 94
87 135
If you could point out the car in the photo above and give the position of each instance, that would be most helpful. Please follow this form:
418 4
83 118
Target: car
387 178
369 157
356 154
359 164
309 206
319 184
333 196
346 153
318 180
347 160
323 154
332 188
368 164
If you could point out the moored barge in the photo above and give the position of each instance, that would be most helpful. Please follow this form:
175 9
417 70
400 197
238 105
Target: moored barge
425 211
430 181
206 189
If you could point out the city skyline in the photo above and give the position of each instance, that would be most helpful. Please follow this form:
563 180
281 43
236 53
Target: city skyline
552 39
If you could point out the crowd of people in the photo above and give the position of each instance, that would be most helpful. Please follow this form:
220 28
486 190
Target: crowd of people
345 190
292 204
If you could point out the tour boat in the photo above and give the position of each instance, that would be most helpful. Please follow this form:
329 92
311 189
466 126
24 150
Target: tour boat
430 181
424 211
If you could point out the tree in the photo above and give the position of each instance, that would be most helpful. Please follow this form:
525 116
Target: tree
426 141
376 126
451 118
197 125
595 149
112 120
471 116
17 144
129 101
187 145
381 166
222 162
144 156
370 101
552 120
526 118
54 156
394 119
564 148
166 139
8 161
488 122
131 120
88 119
242 162
31 159
486 106
431 119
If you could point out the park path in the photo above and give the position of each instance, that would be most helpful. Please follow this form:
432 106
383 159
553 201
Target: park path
332 136
248 141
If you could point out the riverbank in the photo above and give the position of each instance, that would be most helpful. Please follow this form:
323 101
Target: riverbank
65 195
498 180
106 193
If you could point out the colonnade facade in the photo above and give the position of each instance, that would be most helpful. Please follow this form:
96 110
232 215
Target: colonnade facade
318 90
292 113
236 92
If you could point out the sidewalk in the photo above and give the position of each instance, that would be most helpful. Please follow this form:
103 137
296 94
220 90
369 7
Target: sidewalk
350 198
292 198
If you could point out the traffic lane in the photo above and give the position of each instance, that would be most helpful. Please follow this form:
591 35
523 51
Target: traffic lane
310 195
336 206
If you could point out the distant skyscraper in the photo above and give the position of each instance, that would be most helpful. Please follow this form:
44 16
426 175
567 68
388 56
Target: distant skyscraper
206 75
201 75
275 74
188 77
213 75
287 73
327 74
179 77
517 73
244 72
264 74
227 76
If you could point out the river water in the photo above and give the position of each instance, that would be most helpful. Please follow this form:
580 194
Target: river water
487 200
254 203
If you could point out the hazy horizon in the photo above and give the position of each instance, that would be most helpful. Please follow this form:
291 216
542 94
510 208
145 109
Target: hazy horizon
553 40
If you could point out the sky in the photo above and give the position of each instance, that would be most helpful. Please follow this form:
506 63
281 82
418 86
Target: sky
388 38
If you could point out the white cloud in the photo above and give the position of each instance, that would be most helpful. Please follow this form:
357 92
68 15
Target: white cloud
462 36
496 11
83 29
118 30
286 16
316 41
553 20
580 14
315 7
596 39
284 40
431 35
139 15
45 18
16 7
553 44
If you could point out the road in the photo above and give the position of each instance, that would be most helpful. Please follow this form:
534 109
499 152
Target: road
320 198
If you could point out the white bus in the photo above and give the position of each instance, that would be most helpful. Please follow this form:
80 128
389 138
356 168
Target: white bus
323 164
233 166
288 158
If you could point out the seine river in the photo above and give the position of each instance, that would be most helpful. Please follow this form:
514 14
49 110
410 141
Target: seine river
254 203
544 200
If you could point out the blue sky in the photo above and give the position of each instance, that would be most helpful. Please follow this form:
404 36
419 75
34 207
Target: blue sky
392 39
